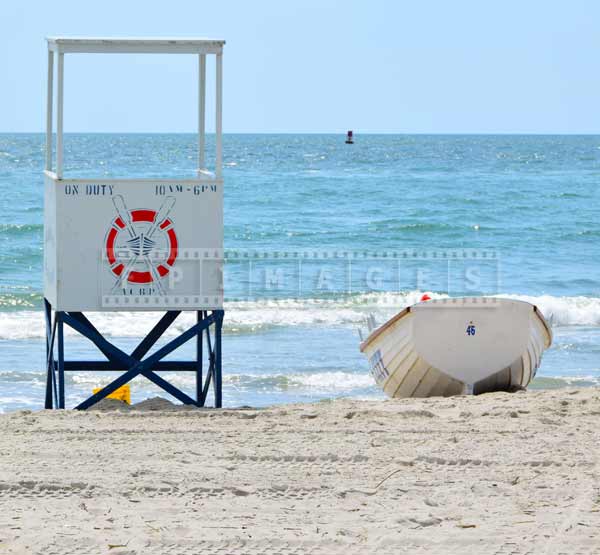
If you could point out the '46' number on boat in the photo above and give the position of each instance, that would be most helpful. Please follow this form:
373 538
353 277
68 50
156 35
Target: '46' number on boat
471 329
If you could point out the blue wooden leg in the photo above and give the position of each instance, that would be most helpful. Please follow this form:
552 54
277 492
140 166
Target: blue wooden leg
61 362
49 361
218 375
199 361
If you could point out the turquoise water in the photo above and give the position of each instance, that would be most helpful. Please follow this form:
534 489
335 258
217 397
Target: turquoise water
525 207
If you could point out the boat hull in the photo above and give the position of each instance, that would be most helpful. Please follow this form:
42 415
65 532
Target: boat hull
454 346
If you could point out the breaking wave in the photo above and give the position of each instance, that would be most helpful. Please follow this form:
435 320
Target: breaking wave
256 316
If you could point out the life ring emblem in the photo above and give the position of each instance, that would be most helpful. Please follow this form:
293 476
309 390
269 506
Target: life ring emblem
139 249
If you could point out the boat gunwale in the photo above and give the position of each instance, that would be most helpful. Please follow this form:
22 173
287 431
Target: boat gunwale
377 332
540 316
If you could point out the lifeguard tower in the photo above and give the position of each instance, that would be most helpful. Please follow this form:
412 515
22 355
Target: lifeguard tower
134 245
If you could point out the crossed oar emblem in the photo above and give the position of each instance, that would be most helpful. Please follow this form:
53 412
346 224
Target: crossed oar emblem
140 243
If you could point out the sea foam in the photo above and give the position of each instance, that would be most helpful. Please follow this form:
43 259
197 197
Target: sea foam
251 316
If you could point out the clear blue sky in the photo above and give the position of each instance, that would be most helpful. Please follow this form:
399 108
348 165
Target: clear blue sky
427 66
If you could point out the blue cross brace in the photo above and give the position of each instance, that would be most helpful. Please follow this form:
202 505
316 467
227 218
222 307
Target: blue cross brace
135 364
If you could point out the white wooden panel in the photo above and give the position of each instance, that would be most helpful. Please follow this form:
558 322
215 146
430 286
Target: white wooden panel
136 246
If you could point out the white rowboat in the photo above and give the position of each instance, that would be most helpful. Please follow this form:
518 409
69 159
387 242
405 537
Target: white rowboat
454 346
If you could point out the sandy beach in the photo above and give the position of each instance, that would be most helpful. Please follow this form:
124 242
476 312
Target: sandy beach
498 473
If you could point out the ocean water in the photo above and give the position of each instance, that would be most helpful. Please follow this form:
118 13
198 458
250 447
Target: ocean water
319 234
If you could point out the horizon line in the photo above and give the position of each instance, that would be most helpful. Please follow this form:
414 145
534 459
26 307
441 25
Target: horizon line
359 133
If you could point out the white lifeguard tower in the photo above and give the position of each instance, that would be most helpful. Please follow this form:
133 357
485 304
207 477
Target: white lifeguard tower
134 244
